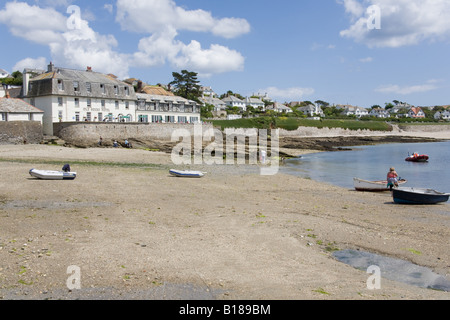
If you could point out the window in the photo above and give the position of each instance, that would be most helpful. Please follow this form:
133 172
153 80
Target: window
75 86
77 103
116 90
170 119
100 116
88 116
60 101
103 103
89 103
182 119
88 87
127 105
102 89
60 85
33 102
127 91
77 116
117 105
3 116
143 118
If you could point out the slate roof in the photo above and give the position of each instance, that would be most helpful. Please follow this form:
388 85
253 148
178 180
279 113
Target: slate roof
11 105
102 85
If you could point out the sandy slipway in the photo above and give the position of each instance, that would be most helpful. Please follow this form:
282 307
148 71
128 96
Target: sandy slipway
135 232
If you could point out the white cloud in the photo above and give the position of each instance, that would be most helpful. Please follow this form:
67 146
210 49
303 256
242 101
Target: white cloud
405 90
74 44
163 20
109 7
403 22
32 23
366 60
288 94
69 47
156 15
39 63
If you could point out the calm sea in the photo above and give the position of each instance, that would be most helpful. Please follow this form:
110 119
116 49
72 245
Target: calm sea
373 162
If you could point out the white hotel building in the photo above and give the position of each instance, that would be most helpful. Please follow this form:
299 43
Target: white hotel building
67 95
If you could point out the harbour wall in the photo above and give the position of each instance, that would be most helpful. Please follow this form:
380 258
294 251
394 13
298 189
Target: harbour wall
20 132
88 134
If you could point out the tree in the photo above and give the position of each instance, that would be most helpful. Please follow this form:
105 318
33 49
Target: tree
388 105
321 103
206 111
16 80
186 85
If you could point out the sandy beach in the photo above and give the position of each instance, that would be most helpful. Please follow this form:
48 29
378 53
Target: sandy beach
137 233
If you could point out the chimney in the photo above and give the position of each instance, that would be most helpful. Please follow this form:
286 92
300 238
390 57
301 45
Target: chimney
51 67
26 81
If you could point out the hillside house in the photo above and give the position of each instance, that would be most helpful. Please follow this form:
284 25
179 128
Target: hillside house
312 110
350 110
379 113
444 115
232 101
416 112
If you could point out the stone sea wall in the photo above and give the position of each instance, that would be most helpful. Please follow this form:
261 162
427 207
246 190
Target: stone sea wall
20 132
89 133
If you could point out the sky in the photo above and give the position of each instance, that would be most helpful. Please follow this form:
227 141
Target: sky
358 52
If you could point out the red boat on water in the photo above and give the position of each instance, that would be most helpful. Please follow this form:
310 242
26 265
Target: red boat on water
415 157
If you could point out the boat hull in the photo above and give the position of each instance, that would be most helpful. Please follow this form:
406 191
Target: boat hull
52 175
421 158
372 186
186 174
418 196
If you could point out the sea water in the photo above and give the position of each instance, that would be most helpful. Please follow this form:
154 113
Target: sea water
373 163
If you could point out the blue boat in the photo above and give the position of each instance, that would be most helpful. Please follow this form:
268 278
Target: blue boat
418 196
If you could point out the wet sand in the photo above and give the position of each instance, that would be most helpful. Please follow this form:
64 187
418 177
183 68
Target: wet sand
137 233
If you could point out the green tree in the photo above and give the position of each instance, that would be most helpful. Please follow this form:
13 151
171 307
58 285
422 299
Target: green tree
206 111
15 80
186 85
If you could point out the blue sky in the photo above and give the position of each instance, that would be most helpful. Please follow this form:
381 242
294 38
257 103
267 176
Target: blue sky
331 50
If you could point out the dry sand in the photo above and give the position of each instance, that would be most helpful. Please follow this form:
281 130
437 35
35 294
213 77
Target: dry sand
137 233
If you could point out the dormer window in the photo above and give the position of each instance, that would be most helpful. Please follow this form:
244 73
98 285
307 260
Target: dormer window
116 90
88 87
102 89
76 86
60 85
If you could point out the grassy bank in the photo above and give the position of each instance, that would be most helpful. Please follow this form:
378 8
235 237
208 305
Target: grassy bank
293 124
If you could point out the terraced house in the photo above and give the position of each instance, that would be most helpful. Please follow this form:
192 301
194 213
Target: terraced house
157 105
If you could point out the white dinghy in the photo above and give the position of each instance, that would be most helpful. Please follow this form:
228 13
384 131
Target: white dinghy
64 174
186 173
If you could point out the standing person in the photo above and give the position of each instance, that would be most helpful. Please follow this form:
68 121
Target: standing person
100 141
392 178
